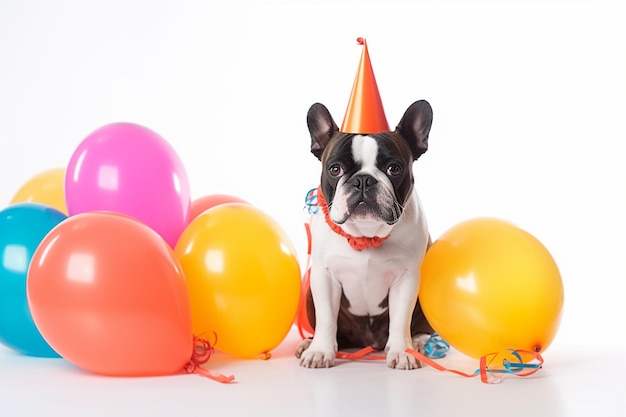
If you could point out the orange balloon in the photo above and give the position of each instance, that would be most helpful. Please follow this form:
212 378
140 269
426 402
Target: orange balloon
202 204
488 286
244 278
47 187
108 294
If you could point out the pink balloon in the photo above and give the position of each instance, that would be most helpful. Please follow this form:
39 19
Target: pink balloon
129 169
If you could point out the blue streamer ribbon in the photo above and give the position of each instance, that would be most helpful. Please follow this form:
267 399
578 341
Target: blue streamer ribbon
512 367
436 347
310 201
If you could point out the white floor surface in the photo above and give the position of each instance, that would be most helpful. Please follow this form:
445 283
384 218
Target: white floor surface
575 381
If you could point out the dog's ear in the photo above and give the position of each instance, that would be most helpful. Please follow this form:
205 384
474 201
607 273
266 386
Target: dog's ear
321 126
415 126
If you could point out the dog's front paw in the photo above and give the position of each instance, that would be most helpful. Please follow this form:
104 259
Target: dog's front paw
419 342
313 358
402 360
302 346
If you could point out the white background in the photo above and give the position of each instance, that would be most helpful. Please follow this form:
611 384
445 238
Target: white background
529 104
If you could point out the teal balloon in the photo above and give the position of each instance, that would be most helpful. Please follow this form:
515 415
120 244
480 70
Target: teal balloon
22 227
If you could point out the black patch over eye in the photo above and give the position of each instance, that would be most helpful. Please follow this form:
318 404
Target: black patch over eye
394 170
335 170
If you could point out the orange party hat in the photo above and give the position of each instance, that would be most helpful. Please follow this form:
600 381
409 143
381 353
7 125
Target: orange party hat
365 113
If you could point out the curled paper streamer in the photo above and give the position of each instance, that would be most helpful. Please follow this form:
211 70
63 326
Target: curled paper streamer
310 201
202 351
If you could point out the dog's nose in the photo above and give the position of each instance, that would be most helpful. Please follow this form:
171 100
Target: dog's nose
363 182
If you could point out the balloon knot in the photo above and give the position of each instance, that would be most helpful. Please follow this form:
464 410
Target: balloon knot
360 40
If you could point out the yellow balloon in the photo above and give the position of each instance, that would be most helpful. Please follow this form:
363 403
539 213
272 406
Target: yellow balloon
243 276
47 187
488 286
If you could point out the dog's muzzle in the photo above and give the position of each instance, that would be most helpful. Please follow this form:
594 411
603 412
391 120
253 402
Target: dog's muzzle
368 199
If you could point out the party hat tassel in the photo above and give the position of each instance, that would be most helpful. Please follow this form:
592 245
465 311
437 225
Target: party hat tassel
365 113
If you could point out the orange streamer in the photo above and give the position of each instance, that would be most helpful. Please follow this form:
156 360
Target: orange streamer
487 365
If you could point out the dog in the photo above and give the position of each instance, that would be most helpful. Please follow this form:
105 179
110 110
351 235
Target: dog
368 241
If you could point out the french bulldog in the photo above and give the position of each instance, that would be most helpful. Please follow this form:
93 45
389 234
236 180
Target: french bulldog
367 242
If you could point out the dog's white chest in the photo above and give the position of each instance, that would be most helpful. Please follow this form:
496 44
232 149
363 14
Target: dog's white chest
366 276
365 281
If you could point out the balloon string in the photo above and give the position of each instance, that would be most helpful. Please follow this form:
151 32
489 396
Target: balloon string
202 351
488 364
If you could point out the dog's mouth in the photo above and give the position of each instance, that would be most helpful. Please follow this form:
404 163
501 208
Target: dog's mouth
371 210
361 208
374 205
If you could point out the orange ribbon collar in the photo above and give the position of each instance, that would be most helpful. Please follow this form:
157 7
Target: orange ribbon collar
356 242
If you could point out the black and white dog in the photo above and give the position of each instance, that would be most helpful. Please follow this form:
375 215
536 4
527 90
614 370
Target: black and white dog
368 241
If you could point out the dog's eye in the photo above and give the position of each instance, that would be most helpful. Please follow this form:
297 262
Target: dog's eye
335 170
394 170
